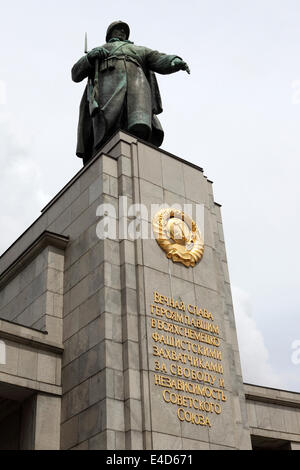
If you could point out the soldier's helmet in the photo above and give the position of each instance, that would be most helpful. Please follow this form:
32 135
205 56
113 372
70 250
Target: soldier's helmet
113 25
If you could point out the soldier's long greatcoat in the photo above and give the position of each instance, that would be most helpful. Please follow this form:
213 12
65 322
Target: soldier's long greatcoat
128 94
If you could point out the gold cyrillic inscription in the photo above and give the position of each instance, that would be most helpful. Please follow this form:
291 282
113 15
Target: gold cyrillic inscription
187 361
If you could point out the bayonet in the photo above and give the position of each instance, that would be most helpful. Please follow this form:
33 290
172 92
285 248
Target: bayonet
85 44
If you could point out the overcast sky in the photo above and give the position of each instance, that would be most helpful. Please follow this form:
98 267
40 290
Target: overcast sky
237 115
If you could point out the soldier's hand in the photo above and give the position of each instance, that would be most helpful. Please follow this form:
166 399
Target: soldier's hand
98 53
185 67
179 64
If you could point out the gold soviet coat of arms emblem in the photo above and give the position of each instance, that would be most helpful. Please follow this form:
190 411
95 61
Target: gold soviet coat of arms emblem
178 235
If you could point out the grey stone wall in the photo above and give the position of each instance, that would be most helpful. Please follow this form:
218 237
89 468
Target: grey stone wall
23 300
109 399
30 381
274 414
34 297
160 178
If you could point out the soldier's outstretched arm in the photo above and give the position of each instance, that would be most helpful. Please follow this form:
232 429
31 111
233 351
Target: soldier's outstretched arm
164 63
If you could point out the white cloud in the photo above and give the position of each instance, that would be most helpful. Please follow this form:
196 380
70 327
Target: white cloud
233 93
254 354
21 191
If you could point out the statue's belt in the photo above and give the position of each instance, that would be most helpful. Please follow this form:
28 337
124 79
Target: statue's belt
109 63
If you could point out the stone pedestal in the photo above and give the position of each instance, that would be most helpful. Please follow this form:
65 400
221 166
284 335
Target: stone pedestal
133 375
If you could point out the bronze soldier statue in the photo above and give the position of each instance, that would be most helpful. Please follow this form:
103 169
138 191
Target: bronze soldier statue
122 91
